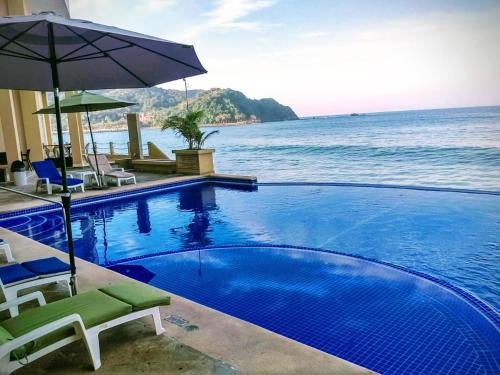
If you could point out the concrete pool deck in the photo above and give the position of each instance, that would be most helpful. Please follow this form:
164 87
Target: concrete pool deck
219 344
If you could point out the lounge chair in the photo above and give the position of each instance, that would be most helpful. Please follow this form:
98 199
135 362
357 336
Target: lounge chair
49 175
5 248
18 276
48 327
106 170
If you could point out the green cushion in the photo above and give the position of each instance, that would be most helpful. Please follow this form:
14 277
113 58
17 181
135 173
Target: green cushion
140 296
6 336
94 307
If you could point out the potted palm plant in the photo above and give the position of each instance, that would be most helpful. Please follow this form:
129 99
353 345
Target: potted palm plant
194 159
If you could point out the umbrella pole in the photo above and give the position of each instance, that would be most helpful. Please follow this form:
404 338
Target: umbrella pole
94 148
66 195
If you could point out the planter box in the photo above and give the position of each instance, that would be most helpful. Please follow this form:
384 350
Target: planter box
194 161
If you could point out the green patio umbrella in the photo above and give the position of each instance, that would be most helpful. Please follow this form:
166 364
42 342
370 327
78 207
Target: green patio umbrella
86 102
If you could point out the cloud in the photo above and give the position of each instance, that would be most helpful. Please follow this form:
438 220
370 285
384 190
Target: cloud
153 6
228 14
315 34
428 61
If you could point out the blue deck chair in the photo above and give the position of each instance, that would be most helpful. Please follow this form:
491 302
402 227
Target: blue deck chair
49 175
18 276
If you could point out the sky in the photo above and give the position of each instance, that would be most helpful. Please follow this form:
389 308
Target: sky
325 57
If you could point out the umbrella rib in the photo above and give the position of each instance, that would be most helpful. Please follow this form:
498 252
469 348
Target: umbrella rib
81 47
28 49
109 57
10 40
92 55
20 55
158 53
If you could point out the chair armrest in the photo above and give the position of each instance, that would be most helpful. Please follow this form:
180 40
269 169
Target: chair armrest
23 299
73 319
70 175
119 169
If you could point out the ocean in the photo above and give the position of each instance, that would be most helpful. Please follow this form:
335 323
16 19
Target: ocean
443 148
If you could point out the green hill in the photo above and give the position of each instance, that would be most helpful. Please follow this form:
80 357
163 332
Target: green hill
229 106
221 106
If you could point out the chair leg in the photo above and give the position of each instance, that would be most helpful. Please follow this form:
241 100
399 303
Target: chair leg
118 182
157 321
92 343
8 252
135 182
10 295
83 188
49 189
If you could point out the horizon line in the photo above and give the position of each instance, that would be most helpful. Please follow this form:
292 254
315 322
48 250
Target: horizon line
400 110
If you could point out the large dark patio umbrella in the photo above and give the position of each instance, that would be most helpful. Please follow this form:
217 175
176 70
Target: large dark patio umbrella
46 52
86 102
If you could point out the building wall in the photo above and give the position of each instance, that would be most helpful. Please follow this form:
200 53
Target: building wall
19 128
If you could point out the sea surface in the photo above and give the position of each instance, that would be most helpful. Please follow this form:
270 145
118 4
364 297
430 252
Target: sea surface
445 148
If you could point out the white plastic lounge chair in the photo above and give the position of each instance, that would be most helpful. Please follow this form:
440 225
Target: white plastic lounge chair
48 327
107 171
49 175
5 248
18 276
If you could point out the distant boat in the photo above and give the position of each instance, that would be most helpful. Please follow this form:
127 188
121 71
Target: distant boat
354 114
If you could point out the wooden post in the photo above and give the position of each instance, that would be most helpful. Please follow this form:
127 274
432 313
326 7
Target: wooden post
111 148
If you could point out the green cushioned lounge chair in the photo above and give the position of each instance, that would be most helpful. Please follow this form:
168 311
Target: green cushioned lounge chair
48 327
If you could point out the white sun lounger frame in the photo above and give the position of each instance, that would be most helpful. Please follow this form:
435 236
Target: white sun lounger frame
8 253
90 336
10 290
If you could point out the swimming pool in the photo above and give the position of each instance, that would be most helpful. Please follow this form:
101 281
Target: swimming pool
372 314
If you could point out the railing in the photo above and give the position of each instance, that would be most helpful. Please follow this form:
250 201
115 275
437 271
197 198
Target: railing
113 148
52 151
31 196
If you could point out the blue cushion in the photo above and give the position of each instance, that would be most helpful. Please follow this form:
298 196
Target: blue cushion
15 272
74 181
46 266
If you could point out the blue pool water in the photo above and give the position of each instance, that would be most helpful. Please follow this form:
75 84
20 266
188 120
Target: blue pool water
372 314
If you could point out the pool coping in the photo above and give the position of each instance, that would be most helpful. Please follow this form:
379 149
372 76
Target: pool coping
383 186
486 310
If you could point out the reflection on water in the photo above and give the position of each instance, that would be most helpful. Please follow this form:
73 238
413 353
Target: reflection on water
143 222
